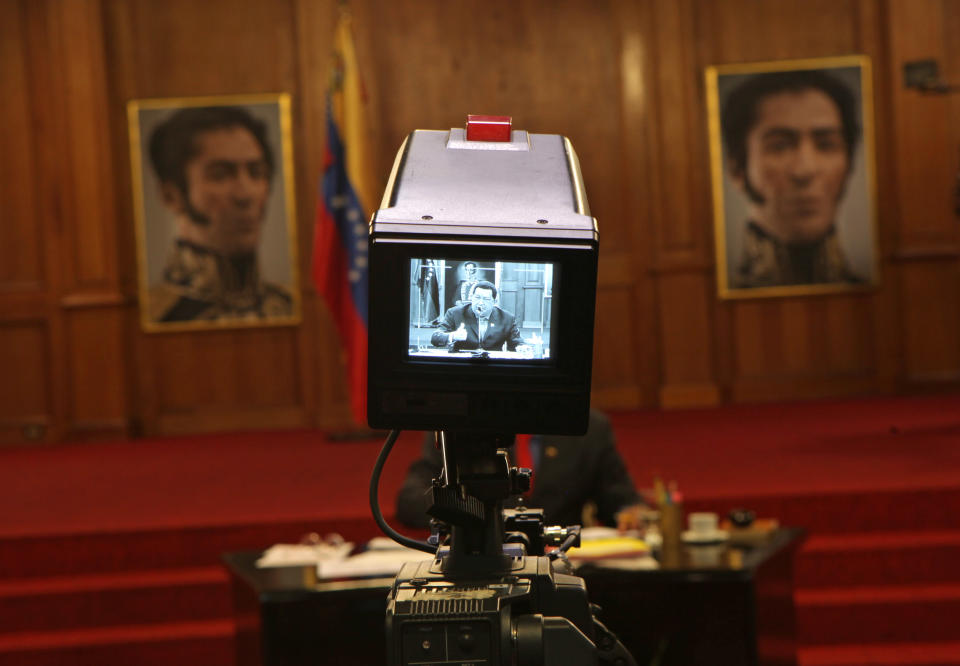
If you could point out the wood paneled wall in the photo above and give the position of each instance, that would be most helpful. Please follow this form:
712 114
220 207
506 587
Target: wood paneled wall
622 79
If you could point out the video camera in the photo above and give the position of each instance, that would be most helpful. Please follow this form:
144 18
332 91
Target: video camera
483 271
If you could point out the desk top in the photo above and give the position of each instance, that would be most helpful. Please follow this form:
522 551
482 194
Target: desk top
726 605
676 563
716 561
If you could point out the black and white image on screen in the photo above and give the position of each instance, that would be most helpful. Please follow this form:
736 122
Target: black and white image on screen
502 308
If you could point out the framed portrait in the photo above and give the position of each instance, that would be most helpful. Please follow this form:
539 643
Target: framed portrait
215 214
792 165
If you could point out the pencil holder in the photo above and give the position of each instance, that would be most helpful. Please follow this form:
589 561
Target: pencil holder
671 522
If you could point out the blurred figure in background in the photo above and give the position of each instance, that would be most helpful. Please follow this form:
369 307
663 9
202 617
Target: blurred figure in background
569 472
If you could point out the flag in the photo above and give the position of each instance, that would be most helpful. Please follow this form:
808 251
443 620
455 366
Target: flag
429 292
347 192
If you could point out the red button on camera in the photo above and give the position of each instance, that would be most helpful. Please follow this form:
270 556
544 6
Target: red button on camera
488 128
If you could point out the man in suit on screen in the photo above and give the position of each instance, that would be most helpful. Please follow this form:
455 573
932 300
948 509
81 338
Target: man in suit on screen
478 324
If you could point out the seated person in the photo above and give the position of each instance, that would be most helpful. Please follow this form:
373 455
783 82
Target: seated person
479 324
569 472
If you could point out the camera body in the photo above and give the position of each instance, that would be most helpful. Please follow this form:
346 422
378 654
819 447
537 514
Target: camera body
527 616
483 272
509 213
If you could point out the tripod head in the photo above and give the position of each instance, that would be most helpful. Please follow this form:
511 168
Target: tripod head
484 597
468 497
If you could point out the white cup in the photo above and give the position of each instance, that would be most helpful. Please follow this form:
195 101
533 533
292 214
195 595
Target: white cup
703 522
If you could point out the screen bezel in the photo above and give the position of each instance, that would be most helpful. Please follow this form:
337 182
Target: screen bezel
392 258
566 376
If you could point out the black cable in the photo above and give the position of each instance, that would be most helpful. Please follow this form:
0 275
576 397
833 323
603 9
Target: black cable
566 545
375 501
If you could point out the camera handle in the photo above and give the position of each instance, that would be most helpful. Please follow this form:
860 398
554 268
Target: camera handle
468 496
475 479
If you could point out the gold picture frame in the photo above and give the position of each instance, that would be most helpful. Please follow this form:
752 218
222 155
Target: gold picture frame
793 176
215 212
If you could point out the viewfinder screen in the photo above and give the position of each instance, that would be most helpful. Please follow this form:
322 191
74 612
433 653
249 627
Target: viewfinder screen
462 308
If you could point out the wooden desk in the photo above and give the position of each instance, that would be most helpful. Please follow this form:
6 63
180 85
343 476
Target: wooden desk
704 605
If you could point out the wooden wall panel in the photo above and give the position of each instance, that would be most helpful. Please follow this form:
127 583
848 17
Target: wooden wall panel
553 71
88 306
776 349
179 48
58 237
614 359
26 408
243 370
680 221
96 359
686 346
926 141
21 249
31 383
675 131
325 390
883 325
636 161
820 338
923 125
207 377
754 30
86 178
622 79
931 339
203 380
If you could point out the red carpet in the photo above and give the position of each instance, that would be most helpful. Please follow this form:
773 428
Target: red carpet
109 552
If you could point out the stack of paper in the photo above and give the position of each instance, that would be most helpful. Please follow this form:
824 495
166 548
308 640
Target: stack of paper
291 555
375 561
611 547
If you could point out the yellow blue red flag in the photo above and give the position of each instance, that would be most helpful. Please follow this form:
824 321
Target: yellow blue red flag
347 192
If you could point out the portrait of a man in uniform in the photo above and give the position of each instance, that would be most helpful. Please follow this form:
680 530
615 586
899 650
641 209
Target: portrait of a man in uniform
792 167
214 215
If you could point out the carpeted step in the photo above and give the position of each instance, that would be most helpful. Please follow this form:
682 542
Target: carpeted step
127 598
882 654
174 547
901 613
846 512
895 558
207 642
